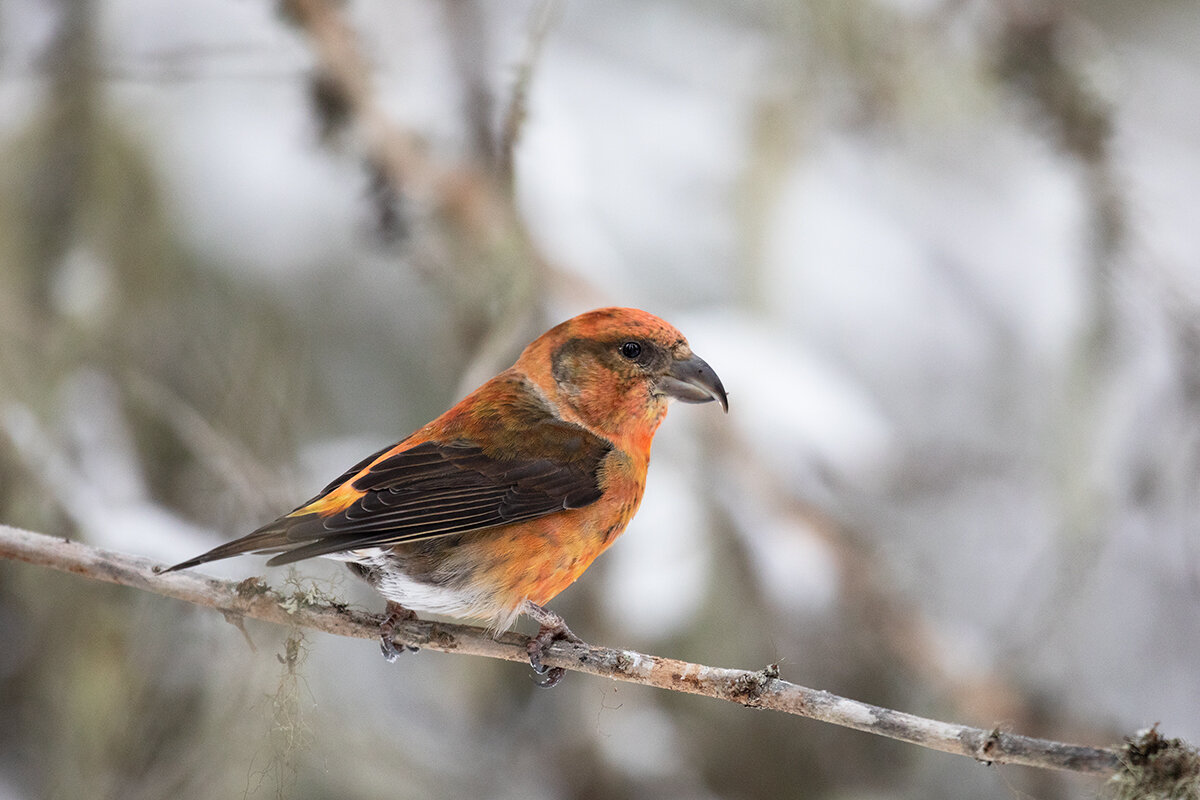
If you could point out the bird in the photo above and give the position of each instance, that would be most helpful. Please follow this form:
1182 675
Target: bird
491 510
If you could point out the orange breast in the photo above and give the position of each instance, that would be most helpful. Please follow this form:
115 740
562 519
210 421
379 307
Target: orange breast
540 558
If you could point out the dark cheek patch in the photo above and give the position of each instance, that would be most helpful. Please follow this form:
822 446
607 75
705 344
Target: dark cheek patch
565 361
573 363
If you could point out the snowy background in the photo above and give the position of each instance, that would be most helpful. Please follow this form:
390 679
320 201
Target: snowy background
945 256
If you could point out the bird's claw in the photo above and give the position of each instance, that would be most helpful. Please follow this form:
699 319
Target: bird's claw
552 628
390 651
548 677
387 631
534 649
544 677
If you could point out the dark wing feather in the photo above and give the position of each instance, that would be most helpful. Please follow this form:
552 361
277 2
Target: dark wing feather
439 489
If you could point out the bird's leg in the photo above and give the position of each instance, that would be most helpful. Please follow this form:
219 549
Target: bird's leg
387 630
551 627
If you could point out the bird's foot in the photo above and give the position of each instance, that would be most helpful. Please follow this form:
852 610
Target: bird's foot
387 631
551 628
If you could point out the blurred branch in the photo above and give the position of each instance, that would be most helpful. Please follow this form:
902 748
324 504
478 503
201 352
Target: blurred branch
466 30
255 487
486 256
1038 54
346 81
467 197
545 14
755 689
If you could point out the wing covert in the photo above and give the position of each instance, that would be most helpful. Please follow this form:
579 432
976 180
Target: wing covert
443 488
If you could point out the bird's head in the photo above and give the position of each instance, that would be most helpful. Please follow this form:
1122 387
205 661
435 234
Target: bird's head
616 368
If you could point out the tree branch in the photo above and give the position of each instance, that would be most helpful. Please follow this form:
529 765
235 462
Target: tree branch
756 689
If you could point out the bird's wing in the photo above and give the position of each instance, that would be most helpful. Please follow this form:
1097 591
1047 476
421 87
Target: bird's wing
498 457
441 488
477 474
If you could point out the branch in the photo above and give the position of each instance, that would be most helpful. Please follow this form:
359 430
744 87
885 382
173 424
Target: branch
756 689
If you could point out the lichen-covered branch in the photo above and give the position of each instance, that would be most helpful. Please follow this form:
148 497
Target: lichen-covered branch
757 689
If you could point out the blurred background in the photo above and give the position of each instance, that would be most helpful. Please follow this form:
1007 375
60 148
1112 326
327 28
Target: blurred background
943 253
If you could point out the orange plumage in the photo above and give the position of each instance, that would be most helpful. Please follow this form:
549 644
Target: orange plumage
499 504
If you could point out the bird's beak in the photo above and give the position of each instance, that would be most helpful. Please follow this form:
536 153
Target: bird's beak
693 381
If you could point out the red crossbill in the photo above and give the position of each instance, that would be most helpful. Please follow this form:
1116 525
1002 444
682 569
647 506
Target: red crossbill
499 504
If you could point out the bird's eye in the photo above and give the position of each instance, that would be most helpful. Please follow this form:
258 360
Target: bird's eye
631 350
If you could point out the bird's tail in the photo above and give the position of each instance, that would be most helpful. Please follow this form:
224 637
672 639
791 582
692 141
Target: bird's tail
270 538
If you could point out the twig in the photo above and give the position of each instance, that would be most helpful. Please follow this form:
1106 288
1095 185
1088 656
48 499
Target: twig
756 689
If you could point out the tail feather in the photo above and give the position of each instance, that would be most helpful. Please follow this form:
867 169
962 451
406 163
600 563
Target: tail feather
270 538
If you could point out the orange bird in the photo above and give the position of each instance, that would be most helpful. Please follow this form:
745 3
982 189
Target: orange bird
500 503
